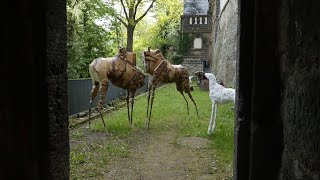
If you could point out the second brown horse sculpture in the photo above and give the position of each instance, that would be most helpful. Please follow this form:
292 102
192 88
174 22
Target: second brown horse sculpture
121 71
163 71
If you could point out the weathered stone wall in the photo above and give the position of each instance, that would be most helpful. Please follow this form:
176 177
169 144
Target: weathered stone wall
57 81
35 97
300 75
193 64
225 44
278 101
194 58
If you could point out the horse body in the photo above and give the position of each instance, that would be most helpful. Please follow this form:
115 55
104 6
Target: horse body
121 72
163 71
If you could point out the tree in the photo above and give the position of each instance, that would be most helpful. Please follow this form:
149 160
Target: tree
130 8
163 32
86 39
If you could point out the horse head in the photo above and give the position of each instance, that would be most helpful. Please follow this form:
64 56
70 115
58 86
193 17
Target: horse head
151 59
123 54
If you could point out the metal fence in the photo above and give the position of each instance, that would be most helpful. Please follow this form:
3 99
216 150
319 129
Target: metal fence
79 92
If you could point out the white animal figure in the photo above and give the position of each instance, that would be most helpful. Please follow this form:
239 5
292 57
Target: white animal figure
190 79
190 83
218 95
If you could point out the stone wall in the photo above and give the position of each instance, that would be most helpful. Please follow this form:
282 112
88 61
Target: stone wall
277 128
225 44
193 64
195 59
299 44
35 122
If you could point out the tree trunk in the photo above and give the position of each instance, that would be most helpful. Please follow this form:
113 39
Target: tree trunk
130 30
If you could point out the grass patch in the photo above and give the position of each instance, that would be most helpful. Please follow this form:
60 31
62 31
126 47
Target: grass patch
89 157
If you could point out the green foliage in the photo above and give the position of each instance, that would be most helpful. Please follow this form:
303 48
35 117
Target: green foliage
185 43
86 39
163 32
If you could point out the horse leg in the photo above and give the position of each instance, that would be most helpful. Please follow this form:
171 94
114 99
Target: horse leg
149 92
210 124
127 99
132 102
152 97
103 92
190 96
181 92
94 92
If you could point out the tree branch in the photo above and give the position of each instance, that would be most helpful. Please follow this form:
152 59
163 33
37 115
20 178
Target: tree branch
124 9
122 21
144 14
135 9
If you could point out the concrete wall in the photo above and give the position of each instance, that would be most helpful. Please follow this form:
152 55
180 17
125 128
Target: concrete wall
225 43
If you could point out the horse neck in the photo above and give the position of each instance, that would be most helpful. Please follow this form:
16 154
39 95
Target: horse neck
153 66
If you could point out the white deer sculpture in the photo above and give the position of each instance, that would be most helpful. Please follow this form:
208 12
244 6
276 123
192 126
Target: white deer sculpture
218 95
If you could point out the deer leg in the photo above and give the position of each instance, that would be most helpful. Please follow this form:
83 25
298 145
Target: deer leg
181 92
215 116
103 92
94 92
152 97
210 124
189 94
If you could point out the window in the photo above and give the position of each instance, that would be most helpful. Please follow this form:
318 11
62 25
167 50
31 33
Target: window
197 43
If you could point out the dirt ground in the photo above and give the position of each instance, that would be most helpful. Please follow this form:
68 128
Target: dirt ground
160 155
157 155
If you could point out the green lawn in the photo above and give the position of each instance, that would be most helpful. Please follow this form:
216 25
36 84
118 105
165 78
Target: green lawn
169 109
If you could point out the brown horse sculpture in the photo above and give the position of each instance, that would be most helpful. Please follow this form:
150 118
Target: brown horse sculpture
121 72
163 71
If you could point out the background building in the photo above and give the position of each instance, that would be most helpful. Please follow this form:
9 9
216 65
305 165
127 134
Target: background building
196 31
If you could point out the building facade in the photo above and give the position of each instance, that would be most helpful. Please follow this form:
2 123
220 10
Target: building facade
196 26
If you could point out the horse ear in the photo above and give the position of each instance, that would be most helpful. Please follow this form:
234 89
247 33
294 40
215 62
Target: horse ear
158 51
148 49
